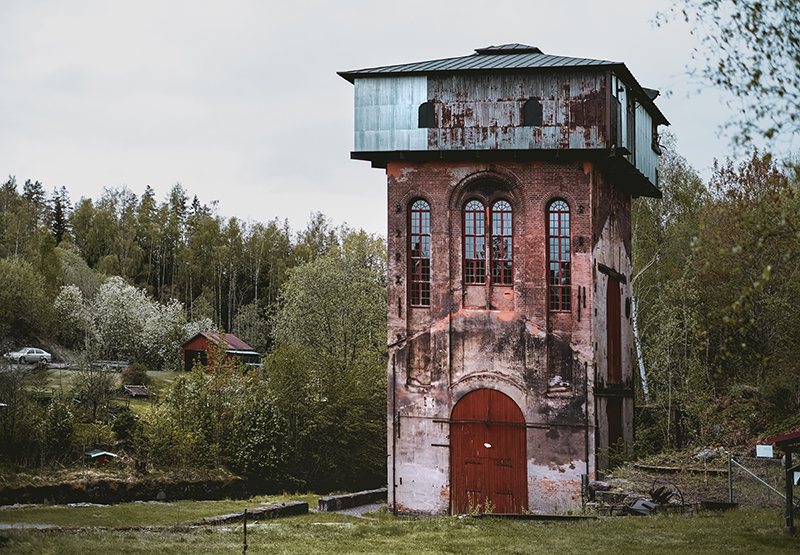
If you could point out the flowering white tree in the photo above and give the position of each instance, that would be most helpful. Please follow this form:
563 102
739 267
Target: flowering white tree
72 316
121 322
163 334
120 313
197 326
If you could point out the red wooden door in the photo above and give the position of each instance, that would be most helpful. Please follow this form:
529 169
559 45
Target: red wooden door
488 454
614 417
614 332
616 445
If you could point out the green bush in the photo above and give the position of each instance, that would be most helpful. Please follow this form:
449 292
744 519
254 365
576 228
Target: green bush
135 374
125 425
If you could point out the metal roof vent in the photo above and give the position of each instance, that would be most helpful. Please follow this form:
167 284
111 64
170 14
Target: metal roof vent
509 49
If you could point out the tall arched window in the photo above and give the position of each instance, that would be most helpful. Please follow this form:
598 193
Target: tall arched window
558 257
420 253
502 231
474 242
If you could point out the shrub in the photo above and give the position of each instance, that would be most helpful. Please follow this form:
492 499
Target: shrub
135 374
125 425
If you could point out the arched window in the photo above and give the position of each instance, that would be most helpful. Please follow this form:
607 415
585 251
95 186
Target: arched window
532 113
474 242
419 234
427 115
502 231
558 257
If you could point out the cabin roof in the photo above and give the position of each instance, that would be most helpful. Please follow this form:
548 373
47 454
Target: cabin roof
234 343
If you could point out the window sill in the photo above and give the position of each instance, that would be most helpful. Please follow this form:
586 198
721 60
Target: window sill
559 392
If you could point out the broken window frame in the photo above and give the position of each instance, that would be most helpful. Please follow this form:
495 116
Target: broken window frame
502 218
474 242
559 279
419 253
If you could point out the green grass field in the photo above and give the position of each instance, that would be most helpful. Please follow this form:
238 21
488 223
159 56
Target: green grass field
53 381
58 378
323 533
138 514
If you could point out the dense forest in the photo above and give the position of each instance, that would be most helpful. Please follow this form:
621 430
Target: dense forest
716 269
176 250
129 278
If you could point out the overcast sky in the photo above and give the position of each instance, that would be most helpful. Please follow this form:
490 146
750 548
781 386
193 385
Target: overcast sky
240 102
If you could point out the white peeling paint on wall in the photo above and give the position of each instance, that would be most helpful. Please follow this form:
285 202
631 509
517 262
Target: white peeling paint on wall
555 490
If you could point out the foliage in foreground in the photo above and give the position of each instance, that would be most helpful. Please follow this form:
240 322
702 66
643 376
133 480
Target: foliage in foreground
750 49
315 418
716 275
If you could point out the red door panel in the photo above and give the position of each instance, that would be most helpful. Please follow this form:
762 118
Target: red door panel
614 332
488 462
614 417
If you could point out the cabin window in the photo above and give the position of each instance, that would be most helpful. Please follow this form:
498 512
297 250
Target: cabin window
474 242
419 234
558 256
532 113
502 231
427 115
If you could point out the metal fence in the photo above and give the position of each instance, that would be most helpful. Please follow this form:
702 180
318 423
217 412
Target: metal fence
758 483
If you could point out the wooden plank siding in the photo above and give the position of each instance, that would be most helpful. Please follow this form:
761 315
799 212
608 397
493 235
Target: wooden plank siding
488 454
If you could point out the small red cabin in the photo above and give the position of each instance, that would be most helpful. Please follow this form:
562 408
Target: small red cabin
197 349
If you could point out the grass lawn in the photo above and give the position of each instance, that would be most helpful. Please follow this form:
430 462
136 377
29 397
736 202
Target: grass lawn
139 514
733 532
52 381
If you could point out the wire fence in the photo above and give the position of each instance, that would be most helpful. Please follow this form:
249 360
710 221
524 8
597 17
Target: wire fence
749 492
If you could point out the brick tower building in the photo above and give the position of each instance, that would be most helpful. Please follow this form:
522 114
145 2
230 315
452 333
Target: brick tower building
510 177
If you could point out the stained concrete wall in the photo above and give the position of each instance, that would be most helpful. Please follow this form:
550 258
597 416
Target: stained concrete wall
499 337
612 268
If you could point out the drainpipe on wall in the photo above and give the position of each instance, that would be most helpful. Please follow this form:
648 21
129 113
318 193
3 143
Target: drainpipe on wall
586 409
394 435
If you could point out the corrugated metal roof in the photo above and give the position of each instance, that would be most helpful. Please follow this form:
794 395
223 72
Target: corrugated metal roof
503 57
137 390
238 352
97 453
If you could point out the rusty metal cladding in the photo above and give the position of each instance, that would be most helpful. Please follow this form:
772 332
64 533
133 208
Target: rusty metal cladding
478 104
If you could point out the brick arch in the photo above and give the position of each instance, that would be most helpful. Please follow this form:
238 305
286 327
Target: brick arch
487 186
564 196
510 386
563 191
488 466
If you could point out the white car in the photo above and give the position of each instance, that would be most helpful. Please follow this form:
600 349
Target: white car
29 355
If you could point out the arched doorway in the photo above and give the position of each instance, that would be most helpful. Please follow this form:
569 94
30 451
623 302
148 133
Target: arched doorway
488 454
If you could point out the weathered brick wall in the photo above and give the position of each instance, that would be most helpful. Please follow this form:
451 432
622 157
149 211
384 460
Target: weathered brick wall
500 337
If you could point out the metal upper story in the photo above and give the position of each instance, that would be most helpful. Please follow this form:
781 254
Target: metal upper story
510 101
